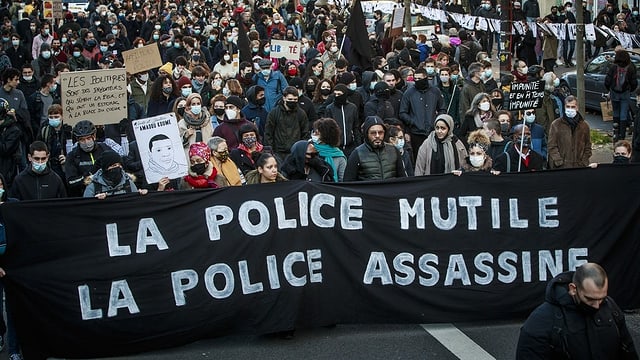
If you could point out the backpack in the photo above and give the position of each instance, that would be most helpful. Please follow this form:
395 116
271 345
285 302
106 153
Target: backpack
619 79
468 52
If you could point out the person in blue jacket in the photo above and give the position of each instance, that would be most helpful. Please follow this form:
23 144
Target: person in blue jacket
273 83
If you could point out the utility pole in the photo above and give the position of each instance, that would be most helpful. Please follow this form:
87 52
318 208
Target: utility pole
580 56
506 22
407 15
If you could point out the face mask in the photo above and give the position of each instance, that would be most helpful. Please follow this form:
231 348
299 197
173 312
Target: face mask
530 118
255 50
1 192
37 167
353 86
635 13
486 6
53 87
114 32
196 109
399 144
315 139
144 77
46 32
430 70
15 42
526 143
292 72
226 92
372 85
325 92
310 88
249 141
476 160
421 84
444 79
156 37
556 82
223 156
103 48
504 128
291 104
28 78
334 49
231 114
113 175
571 113
176 45
167 90
341 100
232 24
92 43
267 50
524 70
87 146
64 40
484 106
226 58
180 111
266 72
46 54
157 27
454 77
186 91
488 74
496 102
410 78
197 32
219 112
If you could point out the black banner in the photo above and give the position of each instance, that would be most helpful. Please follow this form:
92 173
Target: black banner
89 278
526 95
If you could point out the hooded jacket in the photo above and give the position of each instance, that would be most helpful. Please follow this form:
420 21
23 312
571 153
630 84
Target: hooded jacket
293 167
253 112
30 185
284 127
559 329
347 118
419 108
365 90
100 185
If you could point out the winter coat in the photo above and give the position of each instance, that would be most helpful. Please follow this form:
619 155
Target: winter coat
284 127
367 163
469 91
9 143
419 108
273 87
228 130
30 185
559 329
347 118
569 148
508 161
255 113
100 185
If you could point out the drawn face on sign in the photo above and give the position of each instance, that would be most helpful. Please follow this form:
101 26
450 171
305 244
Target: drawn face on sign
162 152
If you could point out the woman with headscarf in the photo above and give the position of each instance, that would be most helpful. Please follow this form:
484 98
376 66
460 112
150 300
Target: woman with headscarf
481 111
442 152
195 125
202 174
326 139
304 163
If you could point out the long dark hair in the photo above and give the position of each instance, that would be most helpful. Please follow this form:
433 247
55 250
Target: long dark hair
156 87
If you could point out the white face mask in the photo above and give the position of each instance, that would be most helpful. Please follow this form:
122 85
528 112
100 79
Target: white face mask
476 160
571 113
315 138
144 77
484 106
353 86
530 118
231 114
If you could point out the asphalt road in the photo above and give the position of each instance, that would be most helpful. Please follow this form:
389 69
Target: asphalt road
466 341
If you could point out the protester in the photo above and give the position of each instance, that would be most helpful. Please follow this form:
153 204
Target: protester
478 159
620 81
228 173
266 171
196 125
201 174
326 139
232 121
111 179
569 138
37 181
286 124
442 152
568 324
304 163
518 155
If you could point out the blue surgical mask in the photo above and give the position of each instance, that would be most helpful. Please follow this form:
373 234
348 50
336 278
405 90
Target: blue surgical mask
186 92
266 72
454 77
430 70
38 167
399 144
53 87
54 122
176 45
196 109
556 82
353 86
372 85
488 74
530 118
104 48
1 192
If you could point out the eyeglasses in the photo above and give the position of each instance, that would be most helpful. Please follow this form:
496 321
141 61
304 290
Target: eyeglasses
529 113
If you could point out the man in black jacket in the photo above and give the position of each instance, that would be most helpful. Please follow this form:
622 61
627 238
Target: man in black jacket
37 181
577 321
518 156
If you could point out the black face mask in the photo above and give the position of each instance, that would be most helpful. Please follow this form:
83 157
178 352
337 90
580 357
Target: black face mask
261 101
384 94
620 159
586 309
325 92
526 143
181 111
292 105
218 112
113 175
309 88
421 84
248 75
496 102
199 168
341 100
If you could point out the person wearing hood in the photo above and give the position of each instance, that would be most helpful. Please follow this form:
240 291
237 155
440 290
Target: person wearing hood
231 122
578 320
195 126
43 63
286 124
38 181
250 148
442 152
304 163
304 102
346 116
374 159
201 174
473 85
111 179
369 81
419 107
9 142
254 111
379 104
569 138
354 97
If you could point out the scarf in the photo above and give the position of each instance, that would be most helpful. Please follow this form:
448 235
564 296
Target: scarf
481 119
195 122
448 151
328 152
259 148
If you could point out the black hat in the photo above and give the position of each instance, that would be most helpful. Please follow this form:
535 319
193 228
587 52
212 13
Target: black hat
235 100
109 158
370 121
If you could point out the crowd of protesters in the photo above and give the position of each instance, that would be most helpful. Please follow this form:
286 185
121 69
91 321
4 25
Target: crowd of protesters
424 105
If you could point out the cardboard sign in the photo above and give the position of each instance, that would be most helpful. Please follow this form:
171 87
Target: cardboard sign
141 59
526 95
97 95
287 49
160 147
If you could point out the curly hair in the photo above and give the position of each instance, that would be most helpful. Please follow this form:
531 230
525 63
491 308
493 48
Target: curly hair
329 130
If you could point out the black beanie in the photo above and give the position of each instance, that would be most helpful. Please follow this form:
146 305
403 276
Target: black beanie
109 158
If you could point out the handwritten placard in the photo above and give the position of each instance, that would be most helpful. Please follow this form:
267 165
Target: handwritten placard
287 49
97 95
526 95
142 59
